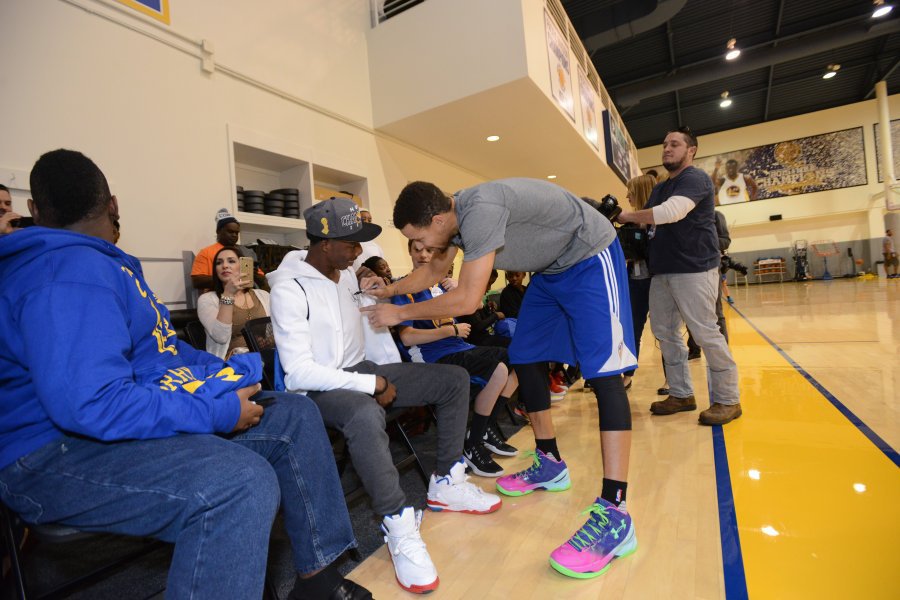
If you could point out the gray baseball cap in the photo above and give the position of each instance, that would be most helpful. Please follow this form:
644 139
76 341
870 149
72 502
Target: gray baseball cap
339 219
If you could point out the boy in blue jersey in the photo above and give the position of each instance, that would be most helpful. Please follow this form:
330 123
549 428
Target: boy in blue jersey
109 423
443 341
576 311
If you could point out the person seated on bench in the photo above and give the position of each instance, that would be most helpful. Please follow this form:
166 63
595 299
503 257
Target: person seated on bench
442 341
352 372
109 423
233 301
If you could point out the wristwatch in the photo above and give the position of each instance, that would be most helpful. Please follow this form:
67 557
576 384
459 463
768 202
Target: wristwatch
226 300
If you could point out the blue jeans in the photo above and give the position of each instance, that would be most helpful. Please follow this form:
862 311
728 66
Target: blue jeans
214 498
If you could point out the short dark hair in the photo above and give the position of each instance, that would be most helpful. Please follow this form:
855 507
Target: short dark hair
731 161
372 262
688 134
67 187
3 188
418 203
218 286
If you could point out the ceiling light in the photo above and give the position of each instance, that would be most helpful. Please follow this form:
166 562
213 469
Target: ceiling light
733 50
881 9
551 176
831 71
726 101
492 138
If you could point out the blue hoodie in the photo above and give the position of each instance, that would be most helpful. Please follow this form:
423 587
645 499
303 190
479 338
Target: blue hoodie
86 348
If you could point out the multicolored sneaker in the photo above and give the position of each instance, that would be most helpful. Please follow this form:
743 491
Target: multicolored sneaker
608 534
544 473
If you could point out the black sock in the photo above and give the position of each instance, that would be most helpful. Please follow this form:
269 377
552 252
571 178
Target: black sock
319 585
476 429
499 407
614 491
548 446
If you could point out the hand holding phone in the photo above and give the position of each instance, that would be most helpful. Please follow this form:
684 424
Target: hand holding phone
246 271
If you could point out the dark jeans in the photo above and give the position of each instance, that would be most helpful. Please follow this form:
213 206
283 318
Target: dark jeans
639 291
360 418
215 498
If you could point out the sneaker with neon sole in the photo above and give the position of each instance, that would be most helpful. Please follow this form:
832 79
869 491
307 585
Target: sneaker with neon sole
544 473
608 534
454 493
412 565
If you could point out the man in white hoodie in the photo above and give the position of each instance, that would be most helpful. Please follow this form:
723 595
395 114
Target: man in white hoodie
352 372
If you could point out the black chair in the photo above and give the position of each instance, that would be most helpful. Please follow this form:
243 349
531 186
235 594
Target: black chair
196 335
260 338
22 589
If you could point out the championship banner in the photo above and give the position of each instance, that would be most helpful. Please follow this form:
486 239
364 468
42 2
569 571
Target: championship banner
817 163
560 75
588 109
618 150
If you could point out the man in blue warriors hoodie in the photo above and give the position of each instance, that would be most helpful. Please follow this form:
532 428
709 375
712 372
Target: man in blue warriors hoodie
109 423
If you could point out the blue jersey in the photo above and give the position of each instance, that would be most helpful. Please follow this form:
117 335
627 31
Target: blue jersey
432 351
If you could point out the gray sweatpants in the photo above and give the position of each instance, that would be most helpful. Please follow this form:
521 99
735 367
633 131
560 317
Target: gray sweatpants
690 299
361 420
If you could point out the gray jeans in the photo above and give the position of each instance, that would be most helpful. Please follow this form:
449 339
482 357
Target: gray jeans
690 299
361 420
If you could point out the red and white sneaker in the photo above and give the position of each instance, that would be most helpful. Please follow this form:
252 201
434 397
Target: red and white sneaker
453 493
412 565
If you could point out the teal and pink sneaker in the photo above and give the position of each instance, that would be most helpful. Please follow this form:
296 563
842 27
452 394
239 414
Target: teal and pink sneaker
608 534
544 473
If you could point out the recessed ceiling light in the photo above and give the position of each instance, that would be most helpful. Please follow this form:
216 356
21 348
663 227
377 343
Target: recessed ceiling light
492 138
733 50
881 9
831 71
551 176
726 101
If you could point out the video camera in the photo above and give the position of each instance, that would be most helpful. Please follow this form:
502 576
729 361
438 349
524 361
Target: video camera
729 263
632 237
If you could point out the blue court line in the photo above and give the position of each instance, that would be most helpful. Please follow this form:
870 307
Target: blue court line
857 422
732 558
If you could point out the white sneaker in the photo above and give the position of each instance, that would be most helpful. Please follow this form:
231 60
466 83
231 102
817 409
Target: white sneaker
453 493
413 567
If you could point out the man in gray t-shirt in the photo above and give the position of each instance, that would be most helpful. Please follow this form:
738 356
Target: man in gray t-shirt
576 311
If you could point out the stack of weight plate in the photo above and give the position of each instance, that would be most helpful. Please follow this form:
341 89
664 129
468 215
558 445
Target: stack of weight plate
240 198
291 202
254 201
274 204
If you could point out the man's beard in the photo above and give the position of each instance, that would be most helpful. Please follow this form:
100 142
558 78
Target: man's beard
672 165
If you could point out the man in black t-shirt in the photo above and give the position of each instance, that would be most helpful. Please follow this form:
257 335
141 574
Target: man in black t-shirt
684 259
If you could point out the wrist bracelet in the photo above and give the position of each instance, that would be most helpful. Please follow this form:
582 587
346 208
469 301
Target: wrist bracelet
455 330
227 300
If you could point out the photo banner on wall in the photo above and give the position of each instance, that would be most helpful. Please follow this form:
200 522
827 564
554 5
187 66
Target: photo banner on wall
158 9
895 148
618 150
560 74
589 103
829 161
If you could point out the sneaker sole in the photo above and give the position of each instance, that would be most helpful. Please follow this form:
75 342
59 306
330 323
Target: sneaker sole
419 589
500 452
549 487
441 507
478 471
629 548
672 412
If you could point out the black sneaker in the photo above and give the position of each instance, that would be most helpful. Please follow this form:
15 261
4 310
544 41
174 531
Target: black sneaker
480 461
493 441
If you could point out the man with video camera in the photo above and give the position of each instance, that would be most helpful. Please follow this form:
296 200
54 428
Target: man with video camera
685 259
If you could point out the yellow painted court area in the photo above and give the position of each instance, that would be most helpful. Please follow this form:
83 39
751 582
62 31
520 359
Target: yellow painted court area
817 503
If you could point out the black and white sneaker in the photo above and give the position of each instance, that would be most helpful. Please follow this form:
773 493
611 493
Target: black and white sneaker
493 441
480 461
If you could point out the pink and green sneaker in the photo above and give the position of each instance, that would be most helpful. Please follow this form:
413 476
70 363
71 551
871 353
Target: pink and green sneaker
544 473
608 534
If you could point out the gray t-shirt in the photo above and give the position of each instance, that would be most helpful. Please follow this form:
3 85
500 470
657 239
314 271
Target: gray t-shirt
533 225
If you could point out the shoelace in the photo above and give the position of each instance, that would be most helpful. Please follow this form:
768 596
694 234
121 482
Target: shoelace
533 469
411 544
592 531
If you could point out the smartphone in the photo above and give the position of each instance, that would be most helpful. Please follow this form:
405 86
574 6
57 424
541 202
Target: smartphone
247 268
22 222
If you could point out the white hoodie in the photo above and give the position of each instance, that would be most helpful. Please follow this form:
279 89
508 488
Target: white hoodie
309 331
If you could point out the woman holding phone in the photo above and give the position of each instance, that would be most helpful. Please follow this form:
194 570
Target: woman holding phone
225 310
